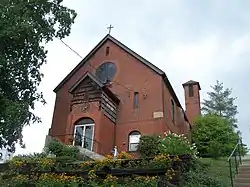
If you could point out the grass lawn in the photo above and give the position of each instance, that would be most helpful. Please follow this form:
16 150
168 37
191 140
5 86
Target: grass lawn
219 168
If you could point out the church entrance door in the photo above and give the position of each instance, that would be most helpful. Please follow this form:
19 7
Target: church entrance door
84 135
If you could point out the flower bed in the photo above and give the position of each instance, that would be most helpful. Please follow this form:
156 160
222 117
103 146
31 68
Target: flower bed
47 171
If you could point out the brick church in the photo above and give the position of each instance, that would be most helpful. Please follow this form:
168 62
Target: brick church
113 96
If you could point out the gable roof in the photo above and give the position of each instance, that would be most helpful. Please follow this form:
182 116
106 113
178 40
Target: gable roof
99 83
108 37
86 75
95 49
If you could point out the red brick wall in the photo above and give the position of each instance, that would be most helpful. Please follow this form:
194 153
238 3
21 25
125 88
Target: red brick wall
139 78
132 76
179 125
153 126
106 135
104 129
193 107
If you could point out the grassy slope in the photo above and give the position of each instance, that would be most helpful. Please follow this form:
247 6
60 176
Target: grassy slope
219 168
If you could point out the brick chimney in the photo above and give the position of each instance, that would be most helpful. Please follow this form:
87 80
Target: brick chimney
192 100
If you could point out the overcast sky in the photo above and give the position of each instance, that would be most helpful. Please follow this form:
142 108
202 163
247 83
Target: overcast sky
204 41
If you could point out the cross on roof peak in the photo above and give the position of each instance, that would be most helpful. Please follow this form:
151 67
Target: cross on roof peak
109 28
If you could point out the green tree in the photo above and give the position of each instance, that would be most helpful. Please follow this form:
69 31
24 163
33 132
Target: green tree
214 136
221 103
25 27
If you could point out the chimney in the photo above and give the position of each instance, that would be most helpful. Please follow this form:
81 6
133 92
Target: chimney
192 100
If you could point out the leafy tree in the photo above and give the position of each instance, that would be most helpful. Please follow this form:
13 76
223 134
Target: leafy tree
221 103
25 27
214 136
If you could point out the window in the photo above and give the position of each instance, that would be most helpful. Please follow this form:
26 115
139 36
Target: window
106 71
107 51
191 90
134 139
84 121
173 111
84 133
136 100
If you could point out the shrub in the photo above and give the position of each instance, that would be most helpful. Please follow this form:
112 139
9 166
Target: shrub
149 146
22 167
170 143
124 155
59 149
174 144
195 178
214 136
31 155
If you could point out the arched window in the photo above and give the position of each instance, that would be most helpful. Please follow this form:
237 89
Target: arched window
84 121
133 140
84 133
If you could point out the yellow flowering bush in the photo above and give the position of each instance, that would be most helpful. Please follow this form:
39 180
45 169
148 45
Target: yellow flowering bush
92 174
86 165
142 181
20 178
107 162
58 177
92 171
45 163
124 155
161 161
16 164
109 156
110 180
170 174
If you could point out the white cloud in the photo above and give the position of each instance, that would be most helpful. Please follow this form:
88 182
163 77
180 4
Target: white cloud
241 45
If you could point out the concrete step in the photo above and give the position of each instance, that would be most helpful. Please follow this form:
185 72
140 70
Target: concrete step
243 175
244 167
241 179
241 184
90 154
246 157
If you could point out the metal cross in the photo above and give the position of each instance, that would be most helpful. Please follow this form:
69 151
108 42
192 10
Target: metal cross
109 28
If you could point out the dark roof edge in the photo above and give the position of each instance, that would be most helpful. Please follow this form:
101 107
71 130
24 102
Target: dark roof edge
169 86
83 61
88 74
137 56
192 83
121 45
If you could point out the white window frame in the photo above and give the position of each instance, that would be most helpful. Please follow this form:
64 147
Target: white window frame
136 140
84 129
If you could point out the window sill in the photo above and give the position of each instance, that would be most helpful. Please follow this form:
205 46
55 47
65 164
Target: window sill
132 151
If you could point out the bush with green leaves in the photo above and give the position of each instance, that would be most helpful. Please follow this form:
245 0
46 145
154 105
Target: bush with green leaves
200 179
214 136
149 145
61 150
175 144
198 176
170 143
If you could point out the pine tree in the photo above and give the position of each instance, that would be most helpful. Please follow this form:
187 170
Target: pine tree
221 103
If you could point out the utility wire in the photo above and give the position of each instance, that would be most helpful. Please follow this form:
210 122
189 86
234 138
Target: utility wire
129 89
71 49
